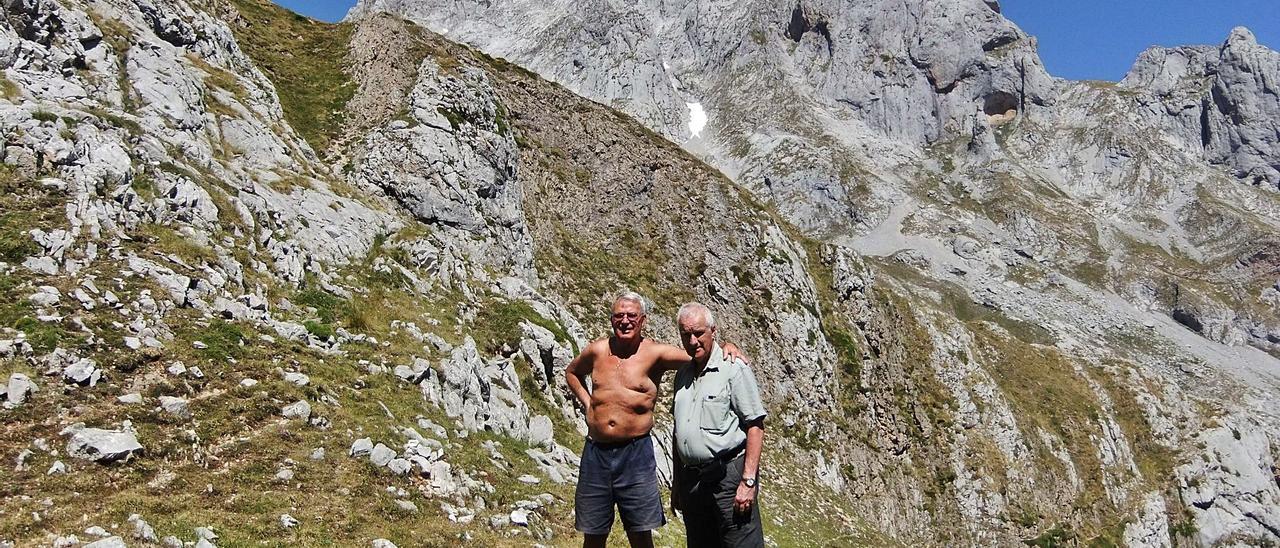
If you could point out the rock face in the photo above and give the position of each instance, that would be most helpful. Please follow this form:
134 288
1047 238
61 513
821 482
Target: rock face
1217 100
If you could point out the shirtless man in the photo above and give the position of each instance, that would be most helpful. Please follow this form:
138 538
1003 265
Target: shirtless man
618 464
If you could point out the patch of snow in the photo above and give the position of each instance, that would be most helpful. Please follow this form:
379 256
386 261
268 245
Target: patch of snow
697 118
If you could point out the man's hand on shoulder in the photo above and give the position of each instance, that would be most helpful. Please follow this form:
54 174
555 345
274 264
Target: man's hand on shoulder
732 352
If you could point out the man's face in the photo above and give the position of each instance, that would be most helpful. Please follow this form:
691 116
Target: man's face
627 320
697 338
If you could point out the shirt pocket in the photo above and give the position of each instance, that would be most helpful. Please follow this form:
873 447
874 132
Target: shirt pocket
716 416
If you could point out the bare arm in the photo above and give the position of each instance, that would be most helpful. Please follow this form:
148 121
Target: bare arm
677 502
746 496
670 358
755 442
576 373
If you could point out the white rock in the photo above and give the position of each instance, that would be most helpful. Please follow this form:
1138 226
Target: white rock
97 531
58 468
110 542
382 543
103 445
296 378
398 466
205 533
249 383
297 410
381 455
141 529
520 517
19 389
361 447
83 372
177 407
133 343
130 398
177 369
287 521
46 296
317 454
527 479
407 506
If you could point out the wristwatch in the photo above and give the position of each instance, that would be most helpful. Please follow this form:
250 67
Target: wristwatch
749 482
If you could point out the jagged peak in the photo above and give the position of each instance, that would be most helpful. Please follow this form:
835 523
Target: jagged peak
1241 35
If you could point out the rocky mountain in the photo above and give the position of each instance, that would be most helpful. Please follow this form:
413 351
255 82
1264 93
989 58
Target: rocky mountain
269 279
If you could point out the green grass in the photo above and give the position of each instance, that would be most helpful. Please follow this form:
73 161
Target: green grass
9 90
116 121
45 116
1155 461
306 61
24 205
498 323
1047 393
165 239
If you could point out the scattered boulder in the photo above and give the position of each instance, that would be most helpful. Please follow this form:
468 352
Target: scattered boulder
381 455
83 372
361 447
297 410
109 542
141 529
407 506
177 407
102 446
20 388
520 517
382 543
296 378
46 296
130 398
287 521
398 466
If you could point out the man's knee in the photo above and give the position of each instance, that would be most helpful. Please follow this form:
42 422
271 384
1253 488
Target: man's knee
640 539
594 541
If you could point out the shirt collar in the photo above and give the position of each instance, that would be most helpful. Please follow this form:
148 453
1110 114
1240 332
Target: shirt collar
717 356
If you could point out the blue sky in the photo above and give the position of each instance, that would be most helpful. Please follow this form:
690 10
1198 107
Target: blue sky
1100 39
1079 39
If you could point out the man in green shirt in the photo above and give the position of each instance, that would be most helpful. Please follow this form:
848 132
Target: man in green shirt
719 431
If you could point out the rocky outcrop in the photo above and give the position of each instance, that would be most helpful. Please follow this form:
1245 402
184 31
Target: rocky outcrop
1218 101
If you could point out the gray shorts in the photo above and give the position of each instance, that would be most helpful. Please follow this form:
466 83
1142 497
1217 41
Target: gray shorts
624 474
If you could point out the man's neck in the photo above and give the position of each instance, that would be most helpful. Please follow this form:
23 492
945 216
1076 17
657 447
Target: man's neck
699 365
624 349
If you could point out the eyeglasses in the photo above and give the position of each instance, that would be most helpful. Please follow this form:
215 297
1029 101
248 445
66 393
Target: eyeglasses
633 316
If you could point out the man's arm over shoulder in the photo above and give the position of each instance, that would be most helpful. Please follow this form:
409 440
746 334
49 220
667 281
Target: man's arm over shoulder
576 373
670 358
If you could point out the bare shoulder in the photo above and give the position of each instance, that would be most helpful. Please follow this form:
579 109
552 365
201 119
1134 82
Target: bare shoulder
596 348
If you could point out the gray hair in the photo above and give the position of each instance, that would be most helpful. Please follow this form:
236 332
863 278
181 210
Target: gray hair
632 296
691 308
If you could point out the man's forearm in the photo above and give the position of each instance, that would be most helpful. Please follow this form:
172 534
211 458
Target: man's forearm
579 389
755 442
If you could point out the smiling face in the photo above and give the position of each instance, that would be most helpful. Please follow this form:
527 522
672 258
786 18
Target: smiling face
627 320
698 338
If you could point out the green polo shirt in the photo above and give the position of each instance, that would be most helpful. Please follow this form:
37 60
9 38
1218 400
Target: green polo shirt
713 407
